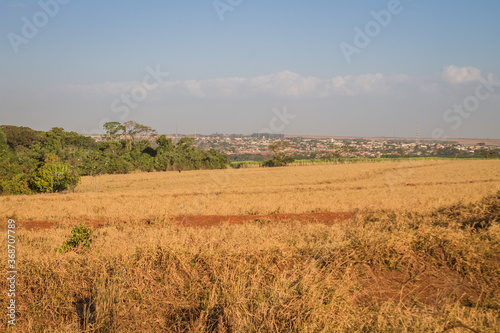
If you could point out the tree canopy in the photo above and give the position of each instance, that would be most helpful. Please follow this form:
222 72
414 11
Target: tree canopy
281 151
36 161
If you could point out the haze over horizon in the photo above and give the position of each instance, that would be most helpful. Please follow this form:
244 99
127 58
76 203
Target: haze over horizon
343 68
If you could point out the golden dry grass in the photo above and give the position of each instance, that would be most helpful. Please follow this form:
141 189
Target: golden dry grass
383 272
424 257
413 185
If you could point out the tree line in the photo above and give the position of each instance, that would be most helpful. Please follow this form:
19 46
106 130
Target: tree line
37 161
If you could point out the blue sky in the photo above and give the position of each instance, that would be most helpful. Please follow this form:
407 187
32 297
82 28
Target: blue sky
229 75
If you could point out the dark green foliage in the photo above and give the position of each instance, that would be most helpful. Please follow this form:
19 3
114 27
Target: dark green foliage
487 153
164 145
149 151
185 156
20 136
278 161
53 161
17 184
281 154
81 237
216 160
53 176
14 166
3 142
247 157
113 130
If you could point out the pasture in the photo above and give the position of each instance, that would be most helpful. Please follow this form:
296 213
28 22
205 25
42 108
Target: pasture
406 185
410 246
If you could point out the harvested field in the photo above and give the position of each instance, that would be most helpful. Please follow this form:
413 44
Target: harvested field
408 185
426 260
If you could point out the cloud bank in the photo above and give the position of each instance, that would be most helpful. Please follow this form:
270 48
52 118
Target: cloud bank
283 84
287 84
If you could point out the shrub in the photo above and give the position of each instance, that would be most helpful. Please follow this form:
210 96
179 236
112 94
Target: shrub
17 184
278 161
81 236
53 176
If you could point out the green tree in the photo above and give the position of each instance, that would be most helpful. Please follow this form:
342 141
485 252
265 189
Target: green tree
93 163
185 157
334 152
281 151
164 144
113 130
487 153
215 160
3 143
15 184
54 139
165 154
134 130
20 136
53 176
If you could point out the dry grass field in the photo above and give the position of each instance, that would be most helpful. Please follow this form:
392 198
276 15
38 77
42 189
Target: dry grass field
423 255
409 185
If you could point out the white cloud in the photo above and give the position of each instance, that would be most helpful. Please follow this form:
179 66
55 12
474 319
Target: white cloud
283 84
454 74
290 85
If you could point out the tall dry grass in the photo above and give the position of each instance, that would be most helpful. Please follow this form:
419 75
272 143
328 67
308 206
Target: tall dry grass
409 185
388 271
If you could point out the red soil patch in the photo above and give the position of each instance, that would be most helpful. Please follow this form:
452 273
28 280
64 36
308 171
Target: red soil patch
209 220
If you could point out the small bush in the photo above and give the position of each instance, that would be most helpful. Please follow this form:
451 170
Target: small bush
81 237
278 161
54 176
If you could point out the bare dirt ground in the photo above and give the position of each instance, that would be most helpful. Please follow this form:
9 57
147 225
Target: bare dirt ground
213 220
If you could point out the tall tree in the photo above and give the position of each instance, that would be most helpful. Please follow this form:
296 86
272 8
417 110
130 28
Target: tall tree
164 144
135 130
113 130
281 151
55 139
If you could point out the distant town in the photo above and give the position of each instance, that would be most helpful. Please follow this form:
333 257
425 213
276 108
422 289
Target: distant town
255 147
